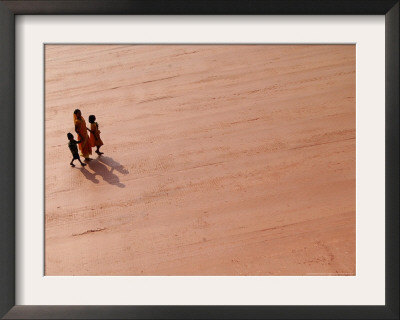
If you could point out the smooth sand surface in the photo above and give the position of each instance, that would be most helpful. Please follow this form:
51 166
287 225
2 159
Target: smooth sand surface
219 160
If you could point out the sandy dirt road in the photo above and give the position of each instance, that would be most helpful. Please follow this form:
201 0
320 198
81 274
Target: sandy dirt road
219 160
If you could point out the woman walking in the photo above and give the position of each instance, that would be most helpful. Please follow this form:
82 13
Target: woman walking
80 128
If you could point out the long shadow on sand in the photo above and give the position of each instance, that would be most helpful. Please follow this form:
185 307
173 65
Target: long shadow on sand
114 165
99 168
90 176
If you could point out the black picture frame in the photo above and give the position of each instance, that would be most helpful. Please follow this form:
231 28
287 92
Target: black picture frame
8 11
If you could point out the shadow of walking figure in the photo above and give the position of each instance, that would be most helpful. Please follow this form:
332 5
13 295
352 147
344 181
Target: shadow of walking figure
108 176
90 176
113 164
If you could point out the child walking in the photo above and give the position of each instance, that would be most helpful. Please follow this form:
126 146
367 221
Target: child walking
95 134
72 144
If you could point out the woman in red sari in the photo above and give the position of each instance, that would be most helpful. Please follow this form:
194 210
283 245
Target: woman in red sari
80 128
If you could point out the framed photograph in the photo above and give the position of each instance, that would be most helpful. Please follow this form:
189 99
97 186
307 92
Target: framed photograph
199 160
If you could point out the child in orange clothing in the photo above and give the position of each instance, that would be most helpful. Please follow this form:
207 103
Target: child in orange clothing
95 139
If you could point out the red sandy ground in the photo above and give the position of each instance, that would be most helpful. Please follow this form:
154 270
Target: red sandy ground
219 160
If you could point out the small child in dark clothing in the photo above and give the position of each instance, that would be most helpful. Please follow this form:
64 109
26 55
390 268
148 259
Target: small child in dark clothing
72 144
